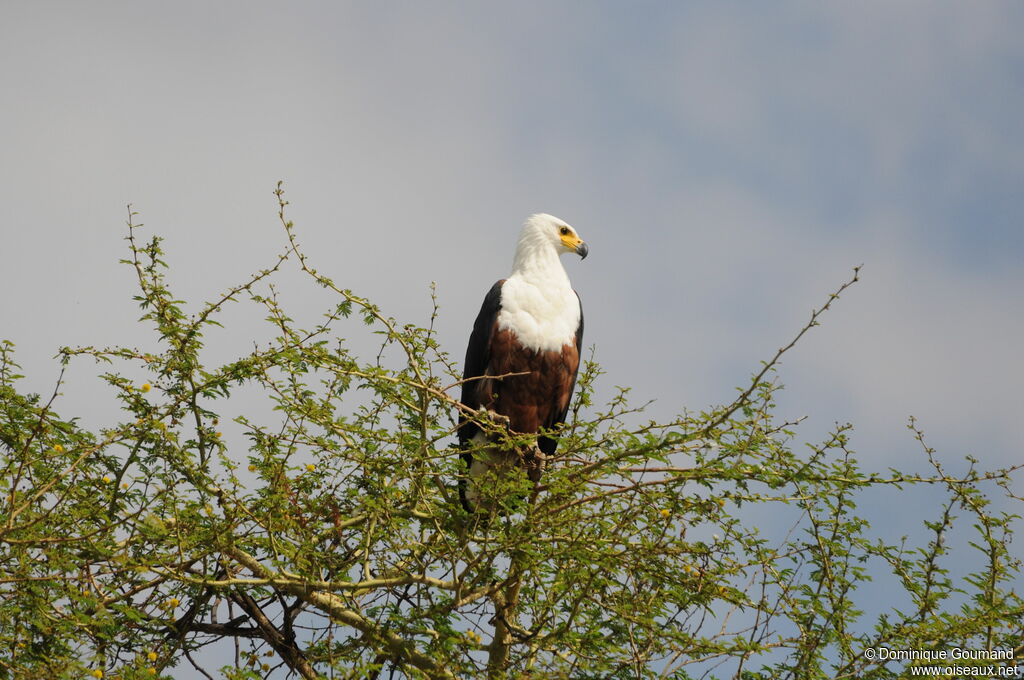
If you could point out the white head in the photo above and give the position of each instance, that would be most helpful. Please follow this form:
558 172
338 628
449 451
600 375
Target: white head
537 299
544 238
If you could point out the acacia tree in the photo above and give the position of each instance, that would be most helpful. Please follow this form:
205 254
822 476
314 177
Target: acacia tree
333 544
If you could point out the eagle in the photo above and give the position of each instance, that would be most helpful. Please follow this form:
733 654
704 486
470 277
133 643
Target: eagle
523 357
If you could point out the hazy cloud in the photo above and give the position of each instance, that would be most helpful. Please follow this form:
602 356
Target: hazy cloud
728 165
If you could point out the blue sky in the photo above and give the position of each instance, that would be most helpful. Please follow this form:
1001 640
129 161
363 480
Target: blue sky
727 162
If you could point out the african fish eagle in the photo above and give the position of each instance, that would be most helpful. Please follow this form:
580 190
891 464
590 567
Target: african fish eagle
530 324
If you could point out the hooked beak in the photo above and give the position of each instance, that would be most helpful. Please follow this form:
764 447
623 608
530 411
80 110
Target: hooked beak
582 250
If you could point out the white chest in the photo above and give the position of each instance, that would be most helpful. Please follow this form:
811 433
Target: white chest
543 317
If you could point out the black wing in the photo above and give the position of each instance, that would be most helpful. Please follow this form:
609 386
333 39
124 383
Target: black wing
478 355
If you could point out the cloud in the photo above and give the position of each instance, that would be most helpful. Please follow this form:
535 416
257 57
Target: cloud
727 164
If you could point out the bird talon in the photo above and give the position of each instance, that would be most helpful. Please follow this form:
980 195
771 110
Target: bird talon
535 461
495 417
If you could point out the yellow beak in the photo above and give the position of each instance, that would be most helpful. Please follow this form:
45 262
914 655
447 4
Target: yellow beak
575 244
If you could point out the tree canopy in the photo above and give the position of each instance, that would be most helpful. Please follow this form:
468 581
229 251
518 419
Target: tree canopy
330 542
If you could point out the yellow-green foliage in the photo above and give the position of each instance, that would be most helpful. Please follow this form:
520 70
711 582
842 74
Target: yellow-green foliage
327 537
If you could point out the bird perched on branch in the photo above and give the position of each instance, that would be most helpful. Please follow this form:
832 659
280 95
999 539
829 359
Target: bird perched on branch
522 358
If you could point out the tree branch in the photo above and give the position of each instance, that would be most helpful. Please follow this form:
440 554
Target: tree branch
332 605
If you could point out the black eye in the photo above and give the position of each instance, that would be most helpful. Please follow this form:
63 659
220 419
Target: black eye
564 231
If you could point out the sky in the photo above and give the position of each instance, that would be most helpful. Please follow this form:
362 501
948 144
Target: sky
727 163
